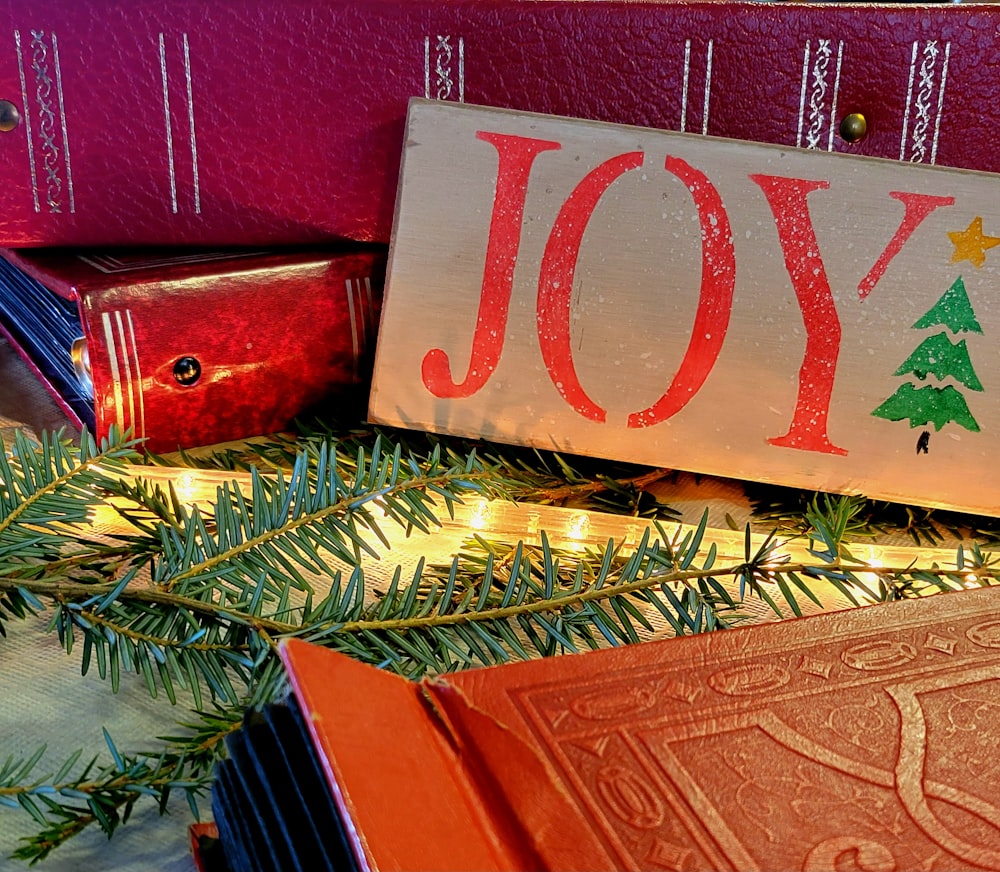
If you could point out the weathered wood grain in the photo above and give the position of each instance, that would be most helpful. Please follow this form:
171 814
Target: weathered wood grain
749 311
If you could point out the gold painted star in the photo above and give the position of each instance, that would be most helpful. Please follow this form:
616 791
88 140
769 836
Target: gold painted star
971 245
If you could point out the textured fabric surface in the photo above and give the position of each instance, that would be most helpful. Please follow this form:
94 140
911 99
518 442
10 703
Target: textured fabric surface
46 702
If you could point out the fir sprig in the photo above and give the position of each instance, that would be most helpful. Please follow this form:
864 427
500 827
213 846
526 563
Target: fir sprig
529 474
66 802
199 599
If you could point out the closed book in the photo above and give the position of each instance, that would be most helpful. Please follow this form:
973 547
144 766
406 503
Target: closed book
254 122
857 739
187 348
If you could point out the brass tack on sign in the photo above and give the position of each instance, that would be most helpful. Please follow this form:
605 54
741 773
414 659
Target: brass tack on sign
9 116
853 127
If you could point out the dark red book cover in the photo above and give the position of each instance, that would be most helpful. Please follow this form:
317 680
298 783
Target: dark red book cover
859 739
251 122
197 347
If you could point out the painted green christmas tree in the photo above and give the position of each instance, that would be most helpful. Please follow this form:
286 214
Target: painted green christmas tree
938 356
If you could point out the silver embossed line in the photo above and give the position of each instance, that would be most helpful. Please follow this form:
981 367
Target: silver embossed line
116 379
169 130
922 118
369 305
135 386
27 122
109 264
192 138
836 95
440 80
909 96
62 122
44 97
356 334
940 103
122 359
686 85
802 93
360 309
708 87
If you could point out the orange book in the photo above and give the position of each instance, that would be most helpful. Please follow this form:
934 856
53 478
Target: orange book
863 739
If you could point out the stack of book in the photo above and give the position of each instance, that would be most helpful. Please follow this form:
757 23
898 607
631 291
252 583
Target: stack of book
860 739
250 123
195 221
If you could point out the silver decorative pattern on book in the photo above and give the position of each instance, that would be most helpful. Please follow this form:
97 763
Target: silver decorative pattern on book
924 101
820 113
48 139
444 68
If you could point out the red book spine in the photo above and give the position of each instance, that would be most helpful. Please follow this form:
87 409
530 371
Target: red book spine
192 349
254 122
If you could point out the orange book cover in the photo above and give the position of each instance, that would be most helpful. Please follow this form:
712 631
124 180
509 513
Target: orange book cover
863 739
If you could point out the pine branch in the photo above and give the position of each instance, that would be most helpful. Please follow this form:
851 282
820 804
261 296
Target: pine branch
65 804
790 511
222 583
47 492
530 474
230 582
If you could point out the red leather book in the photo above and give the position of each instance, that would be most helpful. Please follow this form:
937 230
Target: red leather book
256 122
196 347
858 739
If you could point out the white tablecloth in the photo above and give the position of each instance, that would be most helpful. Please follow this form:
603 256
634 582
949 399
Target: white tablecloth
45 701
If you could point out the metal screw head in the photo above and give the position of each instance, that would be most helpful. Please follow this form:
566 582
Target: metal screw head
853 127
187 370
10 117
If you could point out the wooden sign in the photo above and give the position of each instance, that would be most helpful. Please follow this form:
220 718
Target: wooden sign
751 311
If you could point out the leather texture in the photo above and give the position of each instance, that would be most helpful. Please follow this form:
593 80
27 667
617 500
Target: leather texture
274 335
253 122
861 738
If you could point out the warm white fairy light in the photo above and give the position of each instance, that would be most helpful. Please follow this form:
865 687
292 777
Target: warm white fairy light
188 488
875 562
479 517
565 528
578 526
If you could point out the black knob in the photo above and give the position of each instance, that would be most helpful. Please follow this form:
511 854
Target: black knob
187 370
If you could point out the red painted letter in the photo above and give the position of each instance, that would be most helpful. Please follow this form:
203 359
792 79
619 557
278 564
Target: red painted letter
918 207
555 279
787 199
517 154
718 278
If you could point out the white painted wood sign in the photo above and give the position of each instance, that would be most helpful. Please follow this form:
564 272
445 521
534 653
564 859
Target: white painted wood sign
744 310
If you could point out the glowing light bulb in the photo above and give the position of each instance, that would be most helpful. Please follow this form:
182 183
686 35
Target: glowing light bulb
189 488
481 514
578 526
